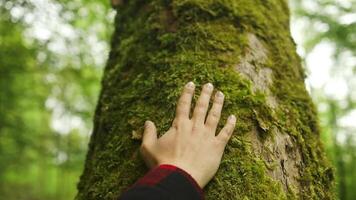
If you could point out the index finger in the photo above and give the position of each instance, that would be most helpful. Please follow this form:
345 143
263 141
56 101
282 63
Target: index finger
185 101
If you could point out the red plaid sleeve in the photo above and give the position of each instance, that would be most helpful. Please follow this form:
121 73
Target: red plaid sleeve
165 182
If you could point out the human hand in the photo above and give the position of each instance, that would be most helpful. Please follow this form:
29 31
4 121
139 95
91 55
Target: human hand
190 144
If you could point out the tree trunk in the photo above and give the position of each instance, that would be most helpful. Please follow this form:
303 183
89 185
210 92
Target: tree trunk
245 49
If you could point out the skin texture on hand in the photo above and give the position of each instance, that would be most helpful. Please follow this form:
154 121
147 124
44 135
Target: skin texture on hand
191 143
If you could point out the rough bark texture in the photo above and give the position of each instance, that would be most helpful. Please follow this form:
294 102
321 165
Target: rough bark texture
245 49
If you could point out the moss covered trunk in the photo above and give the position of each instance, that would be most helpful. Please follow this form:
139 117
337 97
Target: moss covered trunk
245 49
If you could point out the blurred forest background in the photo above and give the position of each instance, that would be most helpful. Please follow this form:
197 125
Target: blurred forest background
52 53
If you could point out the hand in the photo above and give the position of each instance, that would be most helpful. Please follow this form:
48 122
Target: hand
190 144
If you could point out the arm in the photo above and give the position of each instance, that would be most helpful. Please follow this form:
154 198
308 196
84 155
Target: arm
188 154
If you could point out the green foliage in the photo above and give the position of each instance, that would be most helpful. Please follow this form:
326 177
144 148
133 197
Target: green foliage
333 22
41 87
330 21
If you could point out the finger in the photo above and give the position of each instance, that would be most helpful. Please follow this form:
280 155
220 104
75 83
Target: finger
226 132
215 112
149 134
202 105
185 101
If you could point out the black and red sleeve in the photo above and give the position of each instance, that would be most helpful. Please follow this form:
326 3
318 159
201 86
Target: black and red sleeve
164 182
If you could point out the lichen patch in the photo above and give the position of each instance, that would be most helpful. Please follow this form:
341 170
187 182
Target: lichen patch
251 66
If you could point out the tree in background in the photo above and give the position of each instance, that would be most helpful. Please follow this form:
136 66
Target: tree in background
244 48
47 77
23 122
333 24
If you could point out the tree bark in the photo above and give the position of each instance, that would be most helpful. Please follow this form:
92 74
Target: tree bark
245 49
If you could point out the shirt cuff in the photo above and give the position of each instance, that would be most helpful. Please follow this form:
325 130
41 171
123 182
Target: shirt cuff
172 178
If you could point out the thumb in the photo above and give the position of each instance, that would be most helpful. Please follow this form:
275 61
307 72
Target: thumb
149 134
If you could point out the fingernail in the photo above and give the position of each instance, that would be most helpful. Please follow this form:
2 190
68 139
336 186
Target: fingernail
209 86
219 94
232 118
147 123
190 84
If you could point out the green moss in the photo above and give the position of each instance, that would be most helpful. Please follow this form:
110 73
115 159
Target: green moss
204 40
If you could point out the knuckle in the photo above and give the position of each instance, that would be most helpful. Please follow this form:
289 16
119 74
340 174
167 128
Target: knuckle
180 122
183 102
228 130
196 127
215 115
226 134
201 105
